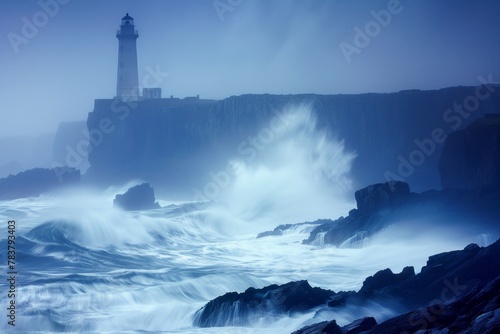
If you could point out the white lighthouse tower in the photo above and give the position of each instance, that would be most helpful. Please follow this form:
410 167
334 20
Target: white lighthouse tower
127 84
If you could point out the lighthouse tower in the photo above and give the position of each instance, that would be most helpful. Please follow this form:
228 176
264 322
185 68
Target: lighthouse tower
127 84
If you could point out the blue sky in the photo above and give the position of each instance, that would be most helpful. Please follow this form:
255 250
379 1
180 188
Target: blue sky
254 46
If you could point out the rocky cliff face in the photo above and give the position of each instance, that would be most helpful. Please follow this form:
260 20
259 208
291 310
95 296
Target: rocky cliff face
169 142
471 157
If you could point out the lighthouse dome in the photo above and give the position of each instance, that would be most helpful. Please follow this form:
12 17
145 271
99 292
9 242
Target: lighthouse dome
127 19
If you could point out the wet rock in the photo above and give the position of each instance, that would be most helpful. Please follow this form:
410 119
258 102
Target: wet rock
360 325
140 197
325 327
240 309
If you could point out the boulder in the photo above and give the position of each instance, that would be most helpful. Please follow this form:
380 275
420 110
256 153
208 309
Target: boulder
140 197
360 325
325 327
241 309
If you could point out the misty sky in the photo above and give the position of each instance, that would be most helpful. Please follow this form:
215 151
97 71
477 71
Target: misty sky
258 46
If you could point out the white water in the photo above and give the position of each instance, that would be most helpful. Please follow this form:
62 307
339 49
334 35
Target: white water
86 267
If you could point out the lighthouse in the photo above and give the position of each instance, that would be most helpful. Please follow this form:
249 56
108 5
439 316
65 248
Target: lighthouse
127 84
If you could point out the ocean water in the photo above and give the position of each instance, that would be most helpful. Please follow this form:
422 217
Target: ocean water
84 266
98 269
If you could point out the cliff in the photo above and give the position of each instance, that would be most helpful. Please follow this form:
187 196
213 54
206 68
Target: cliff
36 181
175 143
471 157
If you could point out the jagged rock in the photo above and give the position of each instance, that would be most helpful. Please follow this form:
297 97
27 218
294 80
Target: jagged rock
385 278
378 209
359 326
140 197
455 291
475 312
341 298
471 157
325 327
377 205
37 181
239 309
468 278
381 195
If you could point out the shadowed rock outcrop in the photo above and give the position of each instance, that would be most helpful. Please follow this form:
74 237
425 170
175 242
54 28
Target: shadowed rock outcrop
325 327
37 181
476 312
455 291
240 309
392 203
462 284
140 197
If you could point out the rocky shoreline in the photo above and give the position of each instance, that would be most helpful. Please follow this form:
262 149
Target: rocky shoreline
456 291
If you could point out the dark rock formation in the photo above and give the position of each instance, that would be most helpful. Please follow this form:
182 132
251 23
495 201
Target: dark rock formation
471 157
381 195
359 326
378 208
476 312
168 141
469 278
238 309
140 197
325 327
457 290
37 181
331 327
385 278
